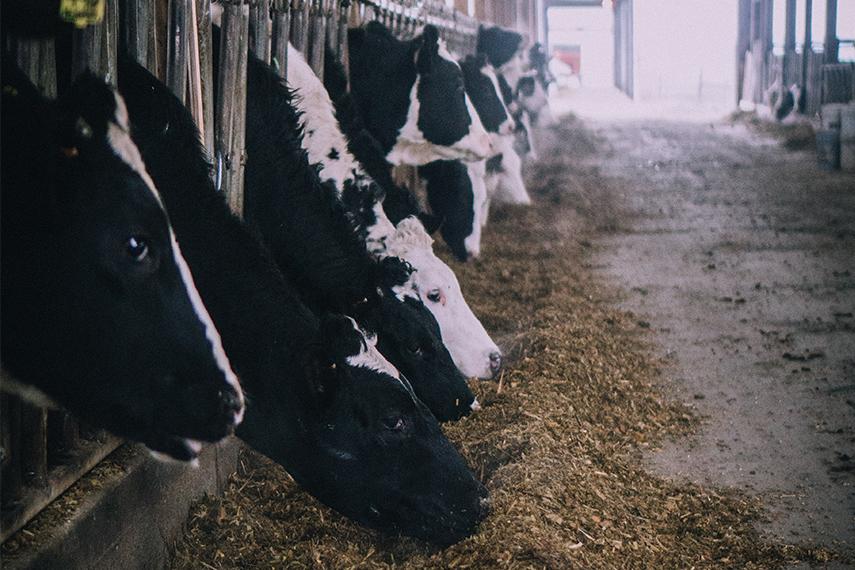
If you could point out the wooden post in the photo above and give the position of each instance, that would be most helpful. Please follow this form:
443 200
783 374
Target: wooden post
10 428
62 436
259 34
231 103
206 73
176 48
831 41
317 37
281 35
137 24
33 445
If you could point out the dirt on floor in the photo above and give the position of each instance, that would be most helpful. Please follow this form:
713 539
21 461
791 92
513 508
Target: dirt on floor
561 439
740 253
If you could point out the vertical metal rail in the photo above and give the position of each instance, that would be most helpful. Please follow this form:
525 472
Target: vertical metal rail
231 102
281 35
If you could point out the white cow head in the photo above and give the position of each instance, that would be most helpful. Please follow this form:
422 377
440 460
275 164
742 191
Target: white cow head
435 284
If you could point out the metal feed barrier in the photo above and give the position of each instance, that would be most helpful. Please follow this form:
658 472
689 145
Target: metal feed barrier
43 452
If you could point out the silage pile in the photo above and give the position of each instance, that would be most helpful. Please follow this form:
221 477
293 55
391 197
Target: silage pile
559 440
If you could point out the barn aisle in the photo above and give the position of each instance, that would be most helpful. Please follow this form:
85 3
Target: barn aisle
738 252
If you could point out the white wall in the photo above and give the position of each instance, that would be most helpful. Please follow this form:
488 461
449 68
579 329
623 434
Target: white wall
686 49
592 29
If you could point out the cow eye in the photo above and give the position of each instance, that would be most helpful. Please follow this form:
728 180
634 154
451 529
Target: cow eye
137 248
394 423
435 295
415 349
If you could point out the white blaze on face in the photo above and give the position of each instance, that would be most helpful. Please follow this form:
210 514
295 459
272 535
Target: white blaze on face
120 141
477 172
411 146
507 185
462 333
508 125
369 357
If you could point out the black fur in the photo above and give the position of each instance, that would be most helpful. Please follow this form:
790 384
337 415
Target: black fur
308 231
450 197
483 94
499 44
102 329
356 439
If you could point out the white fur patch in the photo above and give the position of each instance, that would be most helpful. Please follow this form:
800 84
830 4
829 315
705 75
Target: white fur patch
508 125
369 357
122 145
462 333
477 172
411 146
507 185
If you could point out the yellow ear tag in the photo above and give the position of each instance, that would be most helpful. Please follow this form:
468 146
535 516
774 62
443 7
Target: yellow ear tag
70 152
82 13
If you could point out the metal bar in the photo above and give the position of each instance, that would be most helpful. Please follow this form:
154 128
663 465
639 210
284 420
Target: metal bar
807 48
259 29
281 35
831 42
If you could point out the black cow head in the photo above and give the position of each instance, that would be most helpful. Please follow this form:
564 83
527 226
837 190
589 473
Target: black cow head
504 51
412 97
100 312
482 86
369 448
409 336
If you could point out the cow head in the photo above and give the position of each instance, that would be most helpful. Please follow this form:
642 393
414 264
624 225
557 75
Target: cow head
368 447
118 334
435 119
504 51
482 86
408 335
533 99
473 351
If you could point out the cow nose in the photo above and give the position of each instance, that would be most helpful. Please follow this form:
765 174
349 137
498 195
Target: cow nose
495 362
231 405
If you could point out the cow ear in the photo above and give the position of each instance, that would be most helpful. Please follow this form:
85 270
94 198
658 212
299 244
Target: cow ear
394 272
429 49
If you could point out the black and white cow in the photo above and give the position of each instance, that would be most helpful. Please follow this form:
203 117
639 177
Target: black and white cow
308 231
324 403
432 281
100 312
504 51
411 97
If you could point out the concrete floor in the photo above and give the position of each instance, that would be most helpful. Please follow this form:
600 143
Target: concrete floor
741 256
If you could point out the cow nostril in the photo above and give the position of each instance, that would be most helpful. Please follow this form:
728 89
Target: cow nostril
495 362
230 403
